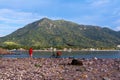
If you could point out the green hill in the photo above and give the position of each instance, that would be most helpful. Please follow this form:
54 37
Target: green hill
61 33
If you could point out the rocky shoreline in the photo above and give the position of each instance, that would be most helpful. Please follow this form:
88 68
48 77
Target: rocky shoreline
4 51
59 69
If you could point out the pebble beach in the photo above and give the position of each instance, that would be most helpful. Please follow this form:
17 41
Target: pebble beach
59 69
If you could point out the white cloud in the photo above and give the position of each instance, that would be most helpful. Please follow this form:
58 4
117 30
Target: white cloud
89 20
11 20
117 28
116 12
6 29
24 3
117 21
10 16
99 3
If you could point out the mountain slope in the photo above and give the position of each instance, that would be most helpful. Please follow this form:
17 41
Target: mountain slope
47 32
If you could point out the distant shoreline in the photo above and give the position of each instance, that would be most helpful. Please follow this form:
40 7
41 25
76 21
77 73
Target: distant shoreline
63 50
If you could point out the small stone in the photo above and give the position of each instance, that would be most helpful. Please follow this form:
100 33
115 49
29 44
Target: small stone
95 58
84 76
90 63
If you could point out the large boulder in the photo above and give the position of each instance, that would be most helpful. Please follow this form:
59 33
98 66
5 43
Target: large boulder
76 62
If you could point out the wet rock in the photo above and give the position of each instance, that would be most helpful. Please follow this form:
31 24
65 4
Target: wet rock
76 62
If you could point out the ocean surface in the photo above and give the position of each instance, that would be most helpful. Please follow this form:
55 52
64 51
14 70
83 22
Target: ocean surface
75 54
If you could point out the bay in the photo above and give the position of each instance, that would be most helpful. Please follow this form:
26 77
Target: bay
75 54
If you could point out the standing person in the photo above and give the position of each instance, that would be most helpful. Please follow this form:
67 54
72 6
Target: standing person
30 52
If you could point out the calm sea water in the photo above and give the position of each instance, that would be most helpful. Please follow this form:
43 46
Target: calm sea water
75 54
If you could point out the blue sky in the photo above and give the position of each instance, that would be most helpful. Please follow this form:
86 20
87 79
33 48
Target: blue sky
15 14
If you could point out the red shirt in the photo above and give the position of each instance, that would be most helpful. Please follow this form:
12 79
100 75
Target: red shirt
30 51
59 53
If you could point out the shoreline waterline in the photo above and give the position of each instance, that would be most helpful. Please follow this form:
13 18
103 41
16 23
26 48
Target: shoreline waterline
65 54
62 50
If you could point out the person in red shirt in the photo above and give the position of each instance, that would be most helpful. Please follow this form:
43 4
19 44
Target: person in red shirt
30 52
58 54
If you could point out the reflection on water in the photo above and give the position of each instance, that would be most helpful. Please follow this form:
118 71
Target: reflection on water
75 54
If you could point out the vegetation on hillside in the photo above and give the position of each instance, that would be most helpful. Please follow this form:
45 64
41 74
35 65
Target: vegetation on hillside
60 33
